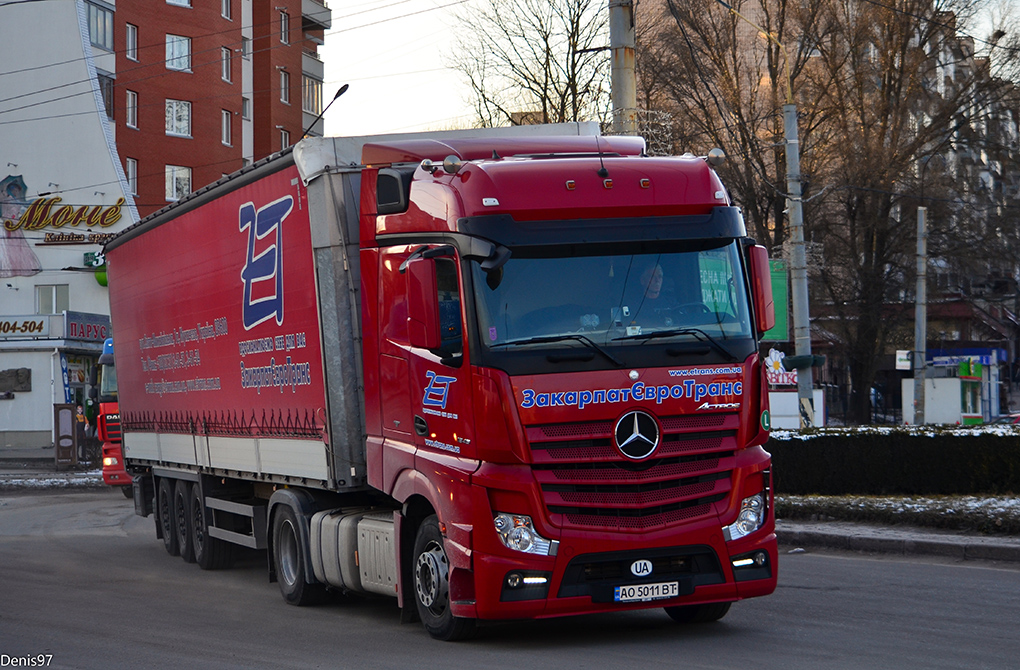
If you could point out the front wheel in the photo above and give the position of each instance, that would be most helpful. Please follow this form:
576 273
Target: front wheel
432 585
698 613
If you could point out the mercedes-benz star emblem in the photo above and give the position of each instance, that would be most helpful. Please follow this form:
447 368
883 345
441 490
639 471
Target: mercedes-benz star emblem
637 434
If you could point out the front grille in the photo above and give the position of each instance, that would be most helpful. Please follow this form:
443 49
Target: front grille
587 483
112 428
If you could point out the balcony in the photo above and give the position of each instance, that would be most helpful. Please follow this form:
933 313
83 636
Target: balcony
315 15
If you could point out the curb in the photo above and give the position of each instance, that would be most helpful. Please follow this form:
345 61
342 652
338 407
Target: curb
907 543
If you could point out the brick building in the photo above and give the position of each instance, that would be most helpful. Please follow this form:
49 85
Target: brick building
201 88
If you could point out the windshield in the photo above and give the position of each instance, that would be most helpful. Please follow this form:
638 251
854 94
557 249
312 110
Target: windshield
107 383
614 299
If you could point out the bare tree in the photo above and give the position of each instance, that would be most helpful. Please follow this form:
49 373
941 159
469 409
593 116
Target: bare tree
535 61
890 95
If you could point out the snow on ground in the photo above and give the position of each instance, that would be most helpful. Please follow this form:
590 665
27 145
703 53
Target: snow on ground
55 480
1000 429
987 514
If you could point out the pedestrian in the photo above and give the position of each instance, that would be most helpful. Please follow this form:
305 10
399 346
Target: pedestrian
81 423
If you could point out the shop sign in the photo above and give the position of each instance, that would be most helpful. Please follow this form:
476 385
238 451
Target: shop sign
775 374
47 213
85 326
24 326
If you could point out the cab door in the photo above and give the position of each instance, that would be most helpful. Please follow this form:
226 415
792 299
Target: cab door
440 375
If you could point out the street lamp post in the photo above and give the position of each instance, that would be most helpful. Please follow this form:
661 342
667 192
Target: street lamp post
798 262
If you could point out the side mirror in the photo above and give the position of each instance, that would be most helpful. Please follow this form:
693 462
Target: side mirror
761 288
422 304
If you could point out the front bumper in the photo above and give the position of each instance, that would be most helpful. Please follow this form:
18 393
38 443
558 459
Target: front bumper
581 579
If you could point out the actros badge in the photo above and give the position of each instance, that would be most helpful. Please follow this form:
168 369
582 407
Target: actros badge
637 434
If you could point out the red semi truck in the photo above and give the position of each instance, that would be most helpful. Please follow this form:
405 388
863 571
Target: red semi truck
104 390
496 377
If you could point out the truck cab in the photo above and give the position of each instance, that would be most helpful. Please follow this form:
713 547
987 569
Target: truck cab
568 340
104 389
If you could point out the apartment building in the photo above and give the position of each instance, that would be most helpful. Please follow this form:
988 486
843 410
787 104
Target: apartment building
203 87
110 111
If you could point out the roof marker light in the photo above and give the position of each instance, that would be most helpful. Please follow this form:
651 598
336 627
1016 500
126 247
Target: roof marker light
646 183
571 185
607 183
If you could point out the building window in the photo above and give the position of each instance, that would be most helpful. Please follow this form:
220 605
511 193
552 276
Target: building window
245 108
131 109
226 54
178 118
225 9
51 299
285 27
106 88
100 27
178 182
284 139
131 172
225 126
131 42
311 94
178 52
179 3
245 48
285 86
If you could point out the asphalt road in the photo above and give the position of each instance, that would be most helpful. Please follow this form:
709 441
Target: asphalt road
85 584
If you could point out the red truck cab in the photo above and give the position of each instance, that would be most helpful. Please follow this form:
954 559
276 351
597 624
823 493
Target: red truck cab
108 421
604 407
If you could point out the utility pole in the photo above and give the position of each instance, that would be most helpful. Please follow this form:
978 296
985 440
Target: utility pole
921 317
624 86
804 361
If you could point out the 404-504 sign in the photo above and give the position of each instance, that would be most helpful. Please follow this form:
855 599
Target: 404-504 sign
14 326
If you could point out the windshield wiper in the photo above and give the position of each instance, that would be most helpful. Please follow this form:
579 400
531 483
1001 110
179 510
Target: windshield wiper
559 338
698 334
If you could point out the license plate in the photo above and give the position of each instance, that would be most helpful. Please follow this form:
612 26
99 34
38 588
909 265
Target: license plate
640 592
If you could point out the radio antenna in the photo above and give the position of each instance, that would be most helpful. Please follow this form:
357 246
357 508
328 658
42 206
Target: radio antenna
603 172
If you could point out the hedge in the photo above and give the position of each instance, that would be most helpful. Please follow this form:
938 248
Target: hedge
903 461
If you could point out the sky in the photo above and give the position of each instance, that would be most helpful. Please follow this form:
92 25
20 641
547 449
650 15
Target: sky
391 53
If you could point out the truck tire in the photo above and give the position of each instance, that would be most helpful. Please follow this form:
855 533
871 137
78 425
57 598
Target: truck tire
211 553
698 613
289 561
431 570
165 516
182 520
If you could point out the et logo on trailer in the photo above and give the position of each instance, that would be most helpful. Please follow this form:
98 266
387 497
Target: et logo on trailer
262 274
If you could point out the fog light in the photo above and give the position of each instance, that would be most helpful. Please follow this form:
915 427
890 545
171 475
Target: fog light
517 532
750 518
514 580
760 558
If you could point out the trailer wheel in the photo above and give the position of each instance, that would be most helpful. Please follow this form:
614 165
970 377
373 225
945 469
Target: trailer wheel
432 585
211 553
182 520
289 561
698 613
165 516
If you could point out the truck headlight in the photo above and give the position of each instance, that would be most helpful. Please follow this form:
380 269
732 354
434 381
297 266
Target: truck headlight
109 461
750 518
517 532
